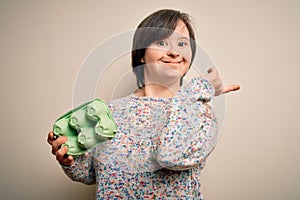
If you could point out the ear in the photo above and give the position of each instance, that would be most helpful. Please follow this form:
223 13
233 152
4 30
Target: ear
142 60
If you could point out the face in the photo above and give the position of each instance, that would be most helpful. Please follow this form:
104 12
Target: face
171 55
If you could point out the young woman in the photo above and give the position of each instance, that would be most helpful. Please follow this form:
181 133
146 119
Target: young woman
166 130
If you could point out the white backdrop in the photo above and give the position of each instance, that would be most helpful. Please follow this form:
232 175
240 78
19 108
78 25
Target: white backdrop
254 43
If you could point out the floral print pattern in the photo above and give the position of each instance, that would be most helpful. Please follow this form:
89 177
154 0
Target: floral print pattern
159 150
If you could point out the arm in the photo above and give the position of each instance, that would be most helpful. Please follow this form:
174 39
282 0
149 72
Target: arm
83 169
191 130
79 169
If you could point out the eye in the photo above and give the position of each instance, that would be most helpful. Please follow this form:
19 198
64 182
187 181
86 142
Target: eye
162 43
183 43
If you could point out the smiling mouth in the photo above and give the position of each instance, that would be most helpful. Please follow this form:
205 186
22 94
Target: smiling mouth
172 62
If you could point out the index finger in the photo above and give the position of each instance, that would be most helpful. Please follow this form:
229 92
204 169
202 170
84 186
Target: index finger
231 88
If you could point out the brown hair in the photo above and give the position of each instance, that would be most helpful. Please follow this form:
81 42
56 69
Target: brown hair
159 25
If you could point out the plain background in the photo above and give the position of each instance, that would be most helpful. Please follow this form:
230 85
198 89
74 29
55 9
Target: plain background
254 43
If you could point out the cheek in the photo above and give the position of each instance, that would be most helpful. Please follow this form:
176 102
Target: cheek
187 55
152 55
185 69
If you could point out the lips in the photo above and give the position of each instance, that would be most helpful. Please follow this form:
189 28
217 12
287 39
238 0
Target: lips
172 61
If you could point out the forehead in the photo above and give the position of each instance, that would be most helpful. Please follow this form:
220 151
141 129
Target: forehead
181 29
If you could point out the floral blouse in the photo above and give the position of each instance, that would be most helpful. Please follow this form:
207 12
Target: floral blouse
159 150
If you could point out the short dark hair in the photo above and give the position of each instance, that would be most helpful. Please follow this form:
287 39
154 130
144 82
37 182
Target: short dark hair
158 25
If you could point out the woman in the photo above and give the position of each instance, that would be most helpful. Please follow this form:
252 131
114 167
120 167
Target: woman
166 130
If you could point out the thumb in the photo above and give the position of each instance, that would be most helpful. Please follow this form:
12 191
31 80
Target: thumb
212 74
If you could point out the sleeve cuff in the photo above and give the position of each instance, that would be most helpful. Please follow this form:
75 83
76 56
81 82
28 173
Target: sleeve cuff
199 89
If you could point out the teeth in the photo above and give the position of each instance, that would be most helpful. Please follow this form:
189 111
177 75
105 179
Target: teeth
172 62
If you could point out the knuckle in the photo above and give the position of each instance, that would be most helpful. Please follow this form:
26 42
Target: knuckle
61 152
58 142
61 140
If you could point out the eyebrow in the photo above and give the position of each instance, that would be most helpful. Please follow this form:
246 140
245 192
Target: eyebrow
181 36
184 37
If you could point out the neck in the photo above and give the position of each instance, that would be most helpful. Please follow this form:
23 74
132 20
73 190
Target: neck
157 90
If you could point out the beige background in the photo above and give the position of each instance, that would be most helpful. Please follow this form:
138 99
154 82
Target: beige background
254 43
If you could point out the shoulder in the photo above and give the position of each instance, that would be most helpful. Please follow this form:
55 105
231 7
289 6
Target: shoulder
117 104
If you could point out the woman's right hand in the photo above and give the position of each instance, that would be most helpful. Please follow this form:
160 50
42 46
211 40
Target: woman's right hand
60 152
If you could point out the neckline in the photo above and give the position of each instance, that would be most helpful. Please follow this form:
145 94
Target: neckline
149 98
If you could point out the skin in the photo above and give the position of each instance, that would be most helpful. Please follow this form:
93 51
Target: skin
166 61
60 153
215 79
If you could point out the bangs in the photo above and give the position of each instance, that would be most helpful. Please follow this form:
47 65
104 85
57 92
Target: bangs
157 26
146 36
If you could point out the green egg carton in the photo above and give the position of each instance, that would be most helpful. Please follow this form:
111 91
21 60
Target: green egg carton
86 126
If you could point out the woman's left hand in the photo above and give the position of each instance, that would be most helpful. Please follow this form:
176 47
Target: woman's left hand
215 79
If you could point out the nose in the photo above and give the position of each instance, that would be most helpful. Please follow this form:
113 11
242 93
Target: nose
172 53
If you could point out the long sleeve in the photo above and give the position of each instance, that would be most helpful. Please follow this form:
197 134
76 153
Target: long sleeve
191 131
83 169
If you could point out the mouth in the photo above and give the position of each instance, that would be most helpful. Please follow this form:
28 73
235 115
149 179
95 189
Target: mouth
172 62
